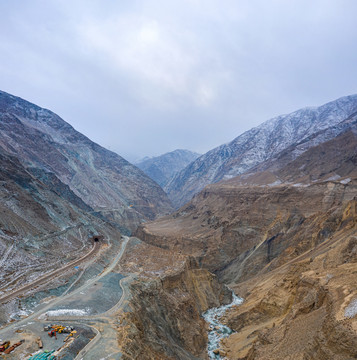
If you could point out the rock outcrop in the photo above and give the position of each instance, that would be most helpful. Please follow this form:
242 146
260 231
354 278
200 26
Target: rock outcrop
164 320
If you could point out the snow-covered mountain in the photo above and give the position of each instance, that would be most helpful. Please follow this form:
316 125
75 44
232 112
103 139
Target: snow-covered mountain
257 145
164 167
105 181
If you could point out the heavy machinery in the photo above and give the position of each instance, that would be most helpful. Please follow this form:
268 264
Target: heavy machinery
71 334
59 328
47 327
4 346
52 333
13 347
53 330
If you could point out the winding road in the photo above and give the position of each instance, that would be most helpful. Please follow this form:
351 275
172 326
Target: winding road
50 276
105 333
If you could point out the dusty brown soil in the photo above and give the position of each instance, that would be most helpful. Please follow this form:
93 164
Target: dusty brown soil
170 293
290 251
298 310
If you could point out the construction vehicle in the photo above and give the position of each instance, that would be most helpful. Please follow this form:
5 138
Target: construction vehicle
4 346
13 347
71 334
59 328
52 333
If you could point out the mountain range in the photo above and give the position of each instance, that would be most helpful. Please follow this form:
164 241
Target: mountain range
164 167
258 145
49 147
282 235
273 217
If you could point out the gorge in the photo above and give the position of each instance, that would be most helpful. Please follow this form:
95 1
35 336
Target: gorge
274 218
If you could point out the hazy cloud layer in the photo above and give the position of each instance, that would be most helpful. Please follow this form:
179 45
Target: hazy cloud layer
147 77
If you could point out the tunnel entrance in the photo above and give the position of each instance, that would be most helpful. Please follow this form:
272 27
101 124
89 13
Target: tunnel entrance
96 238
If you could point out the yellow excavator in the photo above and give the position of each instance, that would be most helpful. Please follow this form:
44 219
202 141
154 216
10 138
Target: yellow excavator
71 334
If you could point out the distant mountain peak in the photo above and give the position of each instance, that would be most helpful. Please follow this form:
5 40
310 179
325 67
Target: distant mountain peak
162 168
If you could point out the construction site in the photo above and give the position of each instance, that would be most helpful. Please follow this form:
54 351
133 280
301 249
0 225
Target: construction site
56 341
63 319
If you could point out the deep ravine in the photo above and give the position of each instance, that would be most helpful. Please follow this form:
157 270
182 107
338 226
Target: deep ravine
218 331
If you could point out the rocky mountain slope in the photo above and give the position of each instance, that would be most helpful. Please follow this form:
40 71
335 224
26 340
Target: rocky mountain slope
41 227
258 145
282 235
164 167
168 298
332 159
283 238
102 179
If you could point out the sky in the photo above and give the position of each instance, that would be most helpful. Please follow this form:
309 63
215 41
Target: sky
144 77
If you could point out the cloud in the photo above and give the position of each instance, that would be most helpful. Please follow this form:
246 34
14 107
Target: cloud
153 55
145 77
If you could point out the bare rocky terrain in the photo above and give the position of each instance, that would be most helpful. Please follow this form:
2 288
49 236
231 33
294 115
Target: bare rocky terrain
260 144
164 167
50 148
284 238
282 235
39 229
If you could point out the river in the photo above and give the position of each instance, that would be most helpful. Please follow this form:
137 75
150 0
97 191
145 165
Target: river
219 331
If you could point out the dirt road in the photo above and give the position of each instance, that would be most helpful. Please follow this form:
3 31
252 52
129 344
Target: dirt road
102 324
50 276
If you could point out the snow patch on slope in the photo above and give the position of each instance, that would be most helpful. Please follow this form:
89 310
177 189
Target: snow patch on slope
351 309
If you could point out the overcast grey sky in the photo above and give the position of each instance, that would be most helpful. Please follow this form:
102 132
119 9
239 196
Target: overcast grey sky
147 77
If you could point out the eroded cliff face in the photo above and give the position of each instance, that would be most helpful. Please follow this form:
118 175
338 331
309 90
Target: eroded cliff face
290 251
237 232
164 321
305 309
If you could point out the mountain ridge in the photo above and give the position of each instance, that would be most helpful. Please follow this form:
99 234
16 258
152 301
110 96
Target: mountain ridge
255 146
101 178
283 237
163 167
